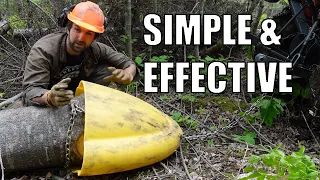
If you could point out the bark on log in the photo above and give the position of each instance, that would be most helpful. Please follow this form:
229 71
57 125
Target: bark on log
35 137
27 33
216 48
18 33
4 27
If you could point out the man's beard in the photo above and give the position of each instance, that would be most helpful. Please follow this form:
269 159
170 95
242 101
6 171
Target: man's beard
77 46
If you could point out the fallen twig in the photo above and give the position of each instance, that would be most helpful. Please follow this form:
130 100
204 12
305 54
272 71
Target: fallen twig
107 38
155 103
242 142
205 159
43 11
155 172
10 100
263 137
184 164
9 43
244 156
163 165
305 120
14 79
2 168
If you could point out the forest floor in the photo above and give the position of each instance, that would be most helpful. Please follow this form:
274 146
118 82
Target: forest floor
208 148
210 122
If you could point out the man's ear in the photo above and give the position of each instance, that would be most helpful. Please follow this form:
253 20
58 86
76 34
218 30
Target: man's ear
96 36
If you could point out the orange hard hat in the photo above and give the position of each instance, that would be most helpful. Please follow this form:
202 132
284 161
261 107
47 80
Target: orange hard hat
88 15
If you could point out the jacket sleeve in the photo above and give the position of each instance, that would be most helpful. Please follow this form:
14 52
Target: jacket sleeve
36 75
116 59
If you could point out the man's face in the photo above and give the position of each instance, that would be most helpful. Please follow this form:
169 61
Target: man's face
79 39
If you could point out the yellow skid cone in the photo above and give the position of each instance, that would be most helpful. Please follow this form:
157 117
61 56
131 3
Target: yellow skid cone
122 132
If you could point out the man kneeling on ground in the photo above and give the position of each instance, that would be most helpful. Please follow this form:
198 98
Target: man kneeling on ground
59 61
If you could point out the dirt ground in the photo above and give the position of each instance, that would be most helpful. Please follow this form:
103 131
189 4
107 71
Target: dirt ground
207 152
209 149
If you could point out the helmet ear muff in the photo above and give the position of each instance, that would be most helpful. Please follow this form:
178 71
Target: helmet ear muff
62 19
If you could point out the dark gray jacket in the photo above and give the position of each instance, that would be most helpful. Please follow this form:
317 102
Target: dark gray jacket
48 57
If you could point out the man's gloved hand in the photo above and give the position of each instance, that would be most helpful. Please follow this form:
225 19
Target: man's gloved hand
58 95
119 75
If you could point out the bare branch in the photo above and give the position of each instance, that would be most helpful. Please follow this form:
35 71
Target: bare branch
184 164
43 11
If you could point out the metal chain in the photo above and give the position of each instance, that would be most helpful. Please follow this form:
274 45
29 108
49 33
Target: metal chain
74 109
229 126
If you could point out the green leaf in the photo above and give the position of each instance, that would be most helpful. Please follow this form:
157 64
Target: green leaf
220 59
255 175
268 162
138 60
312 175
295 166
209 59
264 104
269 115
250 118
241 113
175 116
214 128
249 169
293 176
301 151
280 153
210 143
186 117
254 159
305 93
296 88
261 177
190 57
247 139
164 97
16 22
253 100
250 134
263 17
1 95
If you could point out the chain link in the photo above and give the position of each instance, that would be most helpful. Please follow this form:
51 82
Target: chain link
74 110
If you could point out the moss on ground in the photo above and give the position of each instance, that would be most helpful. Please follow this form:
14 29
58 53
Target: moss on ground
223 102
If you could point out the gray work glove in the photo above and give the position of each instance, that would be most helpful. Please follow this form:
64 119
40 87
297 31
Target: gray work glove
58 95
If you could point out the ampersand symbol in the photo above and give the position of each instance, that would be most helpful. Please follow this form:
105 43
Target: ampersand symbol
269 32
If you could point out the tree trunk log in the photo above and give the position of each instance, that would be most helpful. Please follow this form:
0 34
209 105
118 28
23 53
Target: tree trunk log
27 33
255 23
35 137
216 48
4 27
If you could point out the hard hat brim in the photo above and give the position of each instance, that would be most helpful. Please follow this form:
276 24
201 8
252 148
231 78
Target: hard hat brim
85 25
